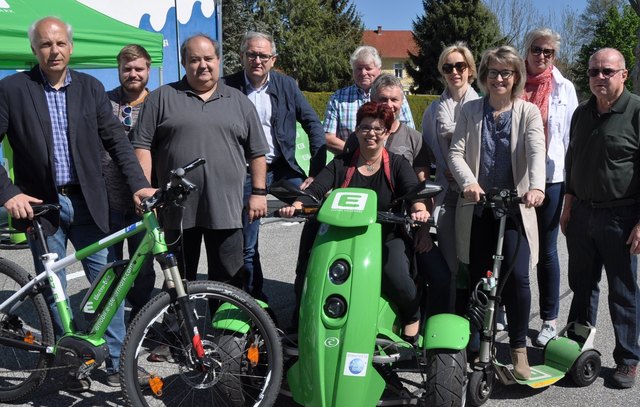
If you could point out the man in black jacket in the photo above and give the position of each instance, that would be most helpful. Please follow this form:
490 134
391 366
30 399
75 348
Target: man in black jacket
55 120
279 103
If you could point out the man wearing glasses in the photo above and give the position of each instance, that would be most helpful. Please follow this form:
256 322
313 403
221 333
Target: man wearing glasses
601 214
134 65
340 116
56 119
279 103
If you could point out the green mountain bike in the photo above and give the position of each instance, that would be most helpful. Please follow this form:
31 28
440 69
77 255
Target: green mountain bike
196 343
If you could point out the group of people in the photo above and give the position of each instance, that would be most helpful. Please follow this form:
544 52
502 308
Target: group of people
98 154
575 167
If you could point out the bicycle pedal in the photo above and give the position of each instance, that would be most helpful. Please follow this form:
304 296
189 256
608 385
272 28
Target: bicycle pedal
86 367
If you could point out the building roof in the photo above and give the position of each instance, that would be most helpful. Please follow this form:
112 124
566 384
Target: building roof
391 43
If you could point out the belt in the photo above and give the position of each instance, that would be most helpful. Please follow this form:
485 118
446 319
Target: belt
69 189
616 203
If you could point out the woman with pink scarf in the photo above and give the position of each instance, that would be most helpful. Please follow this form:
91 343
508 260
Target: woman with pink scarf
556 98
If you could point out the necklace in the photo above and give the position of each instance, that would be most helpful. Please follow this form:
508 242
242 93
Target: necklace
370 165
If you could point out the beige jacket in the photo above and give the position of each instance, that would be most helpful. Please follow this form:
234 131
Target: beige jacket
527 159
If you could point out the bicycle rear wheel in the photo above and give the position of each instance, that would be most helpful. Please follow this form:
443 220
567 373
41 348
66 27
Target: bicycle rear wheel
21 371
243 354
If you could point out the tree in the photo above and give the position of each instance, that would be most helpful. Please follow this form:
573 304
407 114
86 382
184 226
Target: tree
443 23
516 18
614 31
314 38
595 12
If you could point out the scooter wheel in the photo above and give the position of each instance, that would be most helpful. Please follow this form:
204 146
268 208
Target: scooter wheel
586 368
480 386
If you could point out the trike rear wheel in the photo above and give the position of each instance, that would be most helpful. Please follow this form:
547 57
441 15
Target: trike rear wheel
446 378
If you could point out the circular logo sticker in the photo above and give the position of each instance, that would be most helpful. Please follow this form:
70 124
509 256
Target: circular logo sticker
356 366
331 342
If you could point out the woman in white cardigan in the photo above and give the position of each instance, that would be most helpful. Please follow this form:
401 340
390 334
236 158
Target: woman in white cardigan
498 142
458 70
556 98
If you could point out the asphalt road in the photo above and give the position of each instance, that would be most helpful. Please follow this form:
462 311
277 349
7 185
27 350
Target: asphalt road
278 244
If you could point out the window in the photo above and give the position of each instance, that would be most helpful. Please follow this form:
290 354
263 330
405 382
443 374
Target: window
398 70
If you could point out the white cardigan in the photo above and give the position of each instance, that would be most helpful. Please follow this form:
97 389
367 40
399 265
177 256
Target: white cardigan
562 102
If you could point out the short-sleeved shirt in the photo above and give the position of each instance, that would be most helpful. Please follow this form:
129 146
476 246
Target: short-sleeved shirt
340 116
177 126
405 141
603 159
120 198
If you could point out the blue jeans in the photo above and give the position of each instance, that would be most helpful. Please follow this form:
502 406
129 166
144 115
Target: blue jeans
142 288
548 269
596 237
77 226
252 269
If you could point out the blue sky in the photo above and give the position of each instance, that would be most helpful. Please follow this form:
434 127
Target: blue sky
399 14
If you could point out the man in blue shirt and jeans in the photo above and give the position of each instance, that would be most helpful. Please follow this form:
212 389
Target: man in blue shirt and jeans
279 103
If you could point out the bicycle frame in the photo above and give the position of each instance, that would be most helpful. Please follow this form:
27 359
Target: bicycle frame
152 243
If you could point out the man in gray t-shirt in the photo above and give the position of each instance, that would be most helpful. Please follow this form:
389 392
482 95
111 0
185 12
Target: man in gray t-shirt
202 117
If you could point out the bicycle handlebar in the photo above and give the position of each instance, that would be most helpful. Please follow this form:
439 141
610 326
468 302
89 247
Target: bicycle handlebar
176 189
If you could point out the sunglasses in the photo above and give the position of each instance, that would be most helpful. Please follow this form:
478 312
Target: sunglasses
547 52
606 72
505 73
127 120
460 67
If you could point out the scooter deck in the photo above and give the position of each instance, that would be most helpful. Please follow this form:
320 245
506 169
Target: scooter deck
541 376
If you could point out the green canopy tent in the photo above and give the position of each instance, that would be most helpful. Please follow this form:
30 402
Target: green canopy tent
97 38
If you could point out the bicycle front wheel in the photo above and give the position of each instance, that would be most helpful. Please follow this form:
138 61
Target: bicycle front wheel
26 321
243 355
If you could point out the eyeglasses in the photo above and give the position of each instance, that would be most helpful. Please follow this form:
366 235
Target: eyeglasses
127 120
606 72
368 129
505 73
460 67
252 56
547 52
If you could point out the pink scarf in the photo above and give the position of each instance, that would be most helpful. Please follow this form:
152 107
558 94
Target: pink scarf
540 87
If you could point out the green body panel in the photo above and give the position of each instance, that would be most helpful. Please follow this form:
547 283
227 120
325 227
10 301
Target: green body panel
334 367
231 318
561 353
349 207
446 331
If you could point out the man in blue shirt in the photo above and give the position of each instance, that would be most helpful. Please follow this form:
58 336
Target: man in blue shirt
56 119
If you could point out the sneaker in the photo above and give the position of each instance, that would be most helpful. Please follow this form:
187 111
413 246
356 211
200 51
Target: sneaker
113 379
625 376
75 385
547 333
501 319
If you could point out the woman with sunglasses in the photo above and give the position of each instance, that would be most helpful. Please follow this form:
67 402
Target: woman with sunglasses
556 98
458 70
498 142
371 166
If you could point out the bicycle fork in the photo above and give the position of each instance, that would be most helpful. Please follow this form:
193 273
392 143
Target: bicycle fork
184 307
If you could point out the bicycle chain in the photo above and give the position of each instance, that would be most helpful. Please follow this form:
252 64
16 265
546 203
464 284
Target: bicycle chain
59 348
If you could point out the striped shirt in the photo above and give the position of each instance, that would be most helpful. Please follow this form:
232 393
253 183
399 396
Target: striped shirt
340 117
57 104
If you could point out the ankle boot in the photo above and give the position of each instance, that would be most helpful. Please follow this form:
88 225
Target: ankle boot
521 369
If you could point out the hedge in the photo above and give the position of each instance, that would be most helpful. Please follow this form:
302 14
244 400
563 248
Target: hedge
417 103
